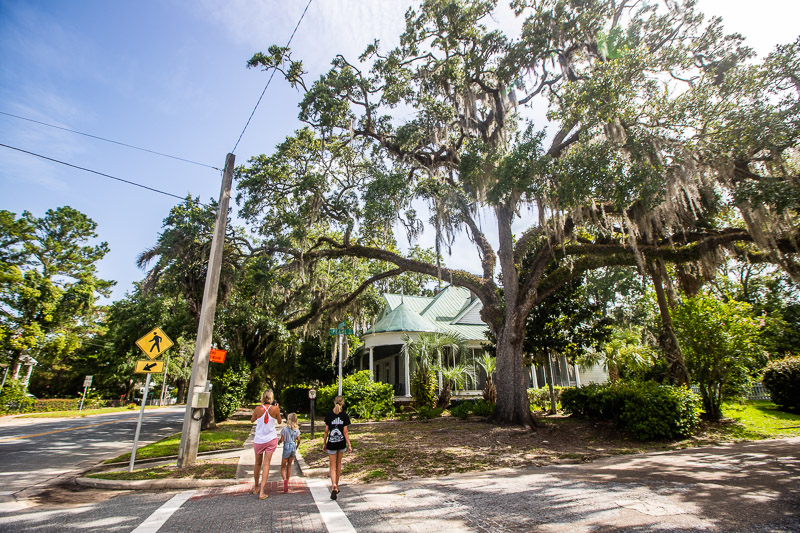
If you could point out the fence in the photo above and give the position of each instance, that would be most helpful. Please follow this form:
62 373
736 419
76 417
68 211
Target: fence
756 392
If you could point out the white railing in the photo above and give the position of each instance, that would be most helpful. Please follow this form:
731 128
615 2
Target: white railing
756 392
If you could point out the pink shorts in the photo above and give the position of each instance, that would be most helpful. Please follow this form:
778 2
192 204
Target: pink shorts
268 447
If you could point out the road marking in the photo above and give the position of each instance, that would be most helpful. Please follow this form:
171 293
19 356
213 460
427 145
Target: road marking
162 514
73 429
330 512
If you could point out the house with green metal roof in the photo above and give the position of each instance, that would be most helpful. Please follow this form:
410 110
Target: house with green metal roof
452 310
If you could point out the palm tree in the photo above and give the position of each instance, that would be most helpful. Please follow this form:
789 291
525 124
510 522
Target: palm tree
489 365
426 351
453 377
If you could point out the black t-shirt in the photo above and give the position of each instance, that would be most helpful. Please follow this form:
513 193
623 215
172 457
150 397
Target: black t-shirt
336 424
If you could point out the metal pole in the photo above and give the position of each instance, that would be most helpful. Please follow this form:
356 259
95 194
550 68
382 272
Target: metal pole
313 401
84 397
164 384
190 436
340 364
3 384
139 423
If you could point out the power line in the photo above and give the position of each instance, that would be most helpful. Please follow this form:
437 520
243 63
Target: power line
95 172
109 140
274 69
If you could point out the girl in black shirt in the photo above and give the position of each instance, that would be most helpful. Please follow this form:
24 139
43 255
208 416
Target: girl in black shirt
335 441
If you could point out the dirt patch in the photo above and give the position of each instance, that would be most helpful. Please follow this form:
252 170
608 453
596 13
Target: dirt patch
408 449
69 494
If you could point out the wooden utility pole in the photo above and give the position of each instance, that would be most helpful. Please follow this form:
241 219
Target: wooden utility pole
199 395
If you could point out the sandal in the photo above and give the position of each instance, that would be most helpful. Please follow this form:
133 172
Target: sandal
264 497
333 494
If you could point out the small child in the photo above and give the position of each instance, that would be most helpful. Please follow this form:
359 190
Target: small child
290 437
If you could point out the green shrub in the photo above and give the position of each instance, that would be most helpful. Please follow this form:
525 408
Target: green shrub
482 408
423 387
294 399
648 410
13 398
228 391
426 413
461 409
363 397
782 378
57 404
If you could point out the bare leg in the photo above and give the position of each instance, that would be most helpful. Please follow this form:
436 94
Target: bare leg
332 467
257 472
339 456
285 465
265 474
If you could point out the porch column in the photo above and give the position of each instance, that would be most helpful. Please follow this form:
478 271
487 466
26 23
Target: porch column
535 380
577 376
439 373
371 366
407 371
15 373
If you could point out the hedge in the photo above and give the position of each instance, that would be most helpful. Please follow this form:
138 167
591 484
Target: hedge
648 410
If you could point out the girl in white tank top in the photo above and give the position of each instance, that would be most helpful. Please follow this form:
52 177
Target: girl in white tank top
265 440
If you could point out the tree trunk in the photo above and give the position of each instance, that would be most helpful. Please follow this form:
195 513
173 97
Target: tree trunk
667 339
512 397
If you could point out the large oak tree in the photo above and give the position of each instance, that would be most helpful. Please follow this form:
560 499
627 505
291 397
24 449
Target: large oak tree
657 123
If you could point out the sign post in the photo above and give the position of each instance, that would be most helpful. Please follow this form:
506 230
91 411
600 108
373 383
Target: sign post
340 330
87 382
163 385
139 423
312 395
153 345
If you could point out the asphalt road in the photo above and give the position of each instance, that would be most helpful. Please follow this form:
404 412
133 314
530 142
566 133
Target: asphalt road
35 452
747 487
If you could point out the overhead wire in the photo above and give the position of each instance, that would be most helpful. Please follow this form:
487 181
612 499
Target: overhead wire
95 172
108 140
274 69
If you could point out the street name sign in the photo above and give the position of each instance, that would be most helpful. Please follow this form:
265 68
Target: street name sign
149 367
154 343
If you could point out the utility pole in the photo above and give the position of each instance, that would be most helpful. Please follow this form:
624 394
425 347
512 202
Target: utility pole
198 397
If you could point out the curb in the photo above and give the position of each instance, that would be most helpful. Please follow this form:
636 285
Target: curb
167 458
145 484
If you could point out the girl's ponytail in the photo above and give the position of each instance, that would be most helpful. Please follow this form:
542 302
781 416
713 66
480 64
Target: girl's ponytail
338 403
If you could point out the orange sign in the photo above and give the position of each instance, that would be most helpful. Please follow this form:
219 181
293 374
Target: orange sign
217 356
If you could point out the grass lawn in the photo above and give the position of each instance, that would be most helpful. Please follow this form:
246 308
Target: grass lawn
211 469
86 412
227 435
760 419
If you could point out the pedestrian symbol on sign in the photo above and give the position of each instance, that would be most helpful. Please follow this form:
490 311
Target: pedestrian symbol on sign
156 340
154 343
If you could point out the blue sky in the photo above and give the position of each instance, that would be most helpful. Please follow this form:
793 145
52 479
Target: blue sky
170 76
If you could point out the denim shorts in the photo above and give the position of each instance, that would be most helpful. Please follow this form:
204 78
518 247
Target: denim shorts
288 452
334 452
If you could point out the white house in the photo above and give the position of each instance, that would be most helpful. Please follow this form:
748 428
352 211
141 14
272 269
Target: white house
453 310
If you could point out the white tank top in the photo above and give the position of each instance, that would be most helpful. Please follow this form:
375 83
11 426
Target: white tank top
265 428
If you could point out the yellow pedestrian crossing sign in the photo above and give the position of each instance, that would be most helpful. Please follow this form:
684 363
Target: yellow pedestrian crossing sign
149 367
154 343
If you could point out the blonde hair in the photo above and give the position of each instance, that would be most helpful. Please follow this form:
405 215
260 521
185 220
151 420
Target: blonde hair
268 396
291 421
338 403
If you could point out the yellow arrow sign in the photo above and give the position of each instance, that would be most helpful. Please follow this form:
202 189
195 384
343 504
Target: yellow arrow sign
149 367
154 343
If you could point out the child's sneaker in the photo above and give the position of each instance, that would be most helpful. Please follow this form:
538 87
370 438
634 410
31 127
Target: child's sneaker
285 485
